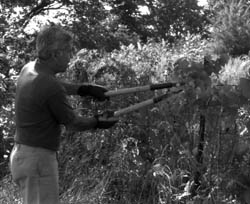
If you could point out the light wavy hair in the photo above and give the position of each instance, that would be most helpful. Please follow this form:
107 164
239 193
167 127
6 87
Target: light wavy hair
50 39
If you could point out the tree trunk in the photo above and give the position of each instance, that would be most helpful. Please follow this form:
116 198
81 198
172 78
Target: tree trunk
2 172
199 156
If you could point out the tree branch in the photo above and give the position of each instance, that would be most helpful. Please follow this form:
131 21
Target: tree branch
39 8
42 6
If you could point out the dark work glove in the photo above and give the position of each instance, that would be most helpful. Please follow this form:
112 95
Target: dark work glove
95 91
105 120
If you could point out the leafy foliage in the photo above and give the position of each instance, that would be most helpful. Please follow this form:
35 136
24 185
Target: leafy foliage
107 24
172 20
141 152
192 147
153 152
231 27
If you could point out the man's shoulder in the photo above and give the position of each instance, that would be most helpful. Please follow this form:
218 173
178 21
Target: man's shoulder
39 84
29 71
27 68
47 80
48 83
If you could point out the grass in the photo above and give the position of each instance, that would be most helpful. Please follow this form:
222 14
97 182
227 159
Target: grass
9 192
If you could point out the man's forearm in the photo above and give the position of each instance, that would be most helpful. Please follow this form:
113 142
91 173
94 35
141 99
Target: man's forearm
86 89
82 124
71 89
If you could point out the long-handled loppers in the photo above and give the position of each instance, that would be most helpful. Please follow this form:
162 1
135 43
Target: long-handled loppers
145 103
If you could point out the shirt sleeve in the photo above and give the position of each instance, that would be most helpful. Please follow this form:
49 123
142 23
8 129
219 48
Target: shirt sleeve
51 95
60 108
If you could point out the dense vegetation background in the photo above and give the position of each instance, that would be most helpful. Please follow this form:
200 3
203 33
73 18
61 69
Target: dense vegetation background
191 148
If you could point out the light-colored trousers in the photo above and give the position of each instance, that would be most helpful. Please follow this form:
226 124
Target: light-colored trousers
35 171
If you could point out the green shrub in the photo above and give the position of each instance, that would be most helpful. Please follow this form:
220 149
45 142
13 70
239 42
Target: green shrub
231 27
136 160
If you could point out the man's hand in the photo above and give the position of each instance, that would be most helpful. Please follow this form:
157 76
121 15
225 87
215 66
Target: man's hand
95 91
105 120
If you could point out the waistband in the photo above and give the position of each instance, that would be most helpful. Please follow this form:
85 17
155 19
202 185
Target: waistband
23 147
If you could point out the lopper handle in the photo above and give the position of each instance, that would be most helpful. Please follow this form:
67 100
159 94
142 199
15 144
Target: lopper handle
151 87
142 104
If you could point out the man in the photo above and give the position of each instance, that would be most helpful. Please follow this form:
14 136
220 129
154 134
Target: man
41 109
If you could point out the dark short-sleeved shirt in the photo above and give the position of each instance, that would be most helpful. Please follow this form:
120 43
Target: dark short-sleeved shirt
41 108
